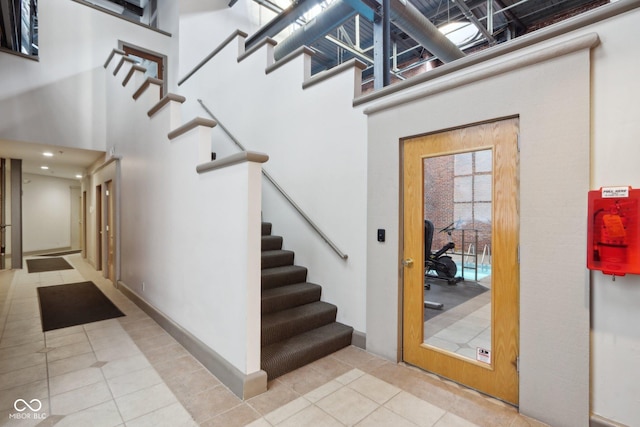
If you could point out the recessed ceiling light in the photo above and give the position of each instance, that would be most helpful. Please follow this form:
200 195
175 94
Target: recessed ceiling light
78 176
44 167
47 154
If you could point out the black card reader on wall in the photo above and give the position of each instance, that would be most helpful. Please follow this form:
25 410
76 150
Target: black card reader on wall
381 234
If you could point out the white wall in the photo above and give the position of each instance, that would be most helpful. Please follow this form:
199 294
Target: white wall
578 113
316 142
205 23
615 134
189 242
59 99
46 212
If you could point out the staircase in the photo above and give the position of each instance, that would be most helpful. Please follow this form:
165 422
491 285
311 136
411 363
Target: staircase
297 328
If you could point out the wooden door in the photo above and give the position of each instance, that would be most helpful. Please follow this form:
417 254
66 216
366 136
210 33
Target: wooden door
110 228
493 371
99 227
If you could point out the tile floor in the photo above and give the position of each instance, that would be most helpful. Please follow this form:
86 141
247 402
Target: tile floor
130 372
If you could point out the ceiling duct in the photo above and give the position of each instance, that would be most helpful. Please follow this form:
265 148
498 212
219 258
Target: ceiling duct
331 18
409 19
403 15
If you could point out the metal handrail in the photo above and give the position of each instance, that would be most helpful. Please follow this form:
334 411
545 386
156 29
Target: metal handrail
278 187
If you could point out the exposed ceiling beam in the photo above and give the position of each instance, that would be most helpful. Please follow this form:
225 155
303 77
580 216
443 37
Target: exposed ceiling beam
285 18
471 17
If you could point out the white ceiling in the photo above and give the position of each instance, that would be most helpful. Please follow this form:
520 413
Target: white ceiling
65 162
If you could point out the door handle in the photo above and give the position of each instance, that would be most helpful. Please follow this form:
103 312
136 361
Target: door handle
407 262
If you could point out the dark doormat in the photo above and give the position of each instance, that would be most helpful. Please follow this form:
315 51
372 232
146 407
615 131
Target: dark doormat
47 264
449 295
62 306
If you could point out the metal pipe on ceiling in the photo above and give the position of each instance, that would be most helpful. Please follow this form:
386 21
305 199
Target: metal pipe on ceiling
331 18
409 19
402 14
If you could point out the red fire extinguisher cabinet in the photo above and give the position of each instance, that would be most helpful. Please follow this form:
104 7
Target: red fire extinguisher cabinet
614 233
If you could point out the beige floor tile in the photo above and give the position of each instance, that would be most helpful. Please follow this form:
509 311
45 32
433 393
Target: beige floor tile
118 338
119 350
59 353
277 395
23 361
192 383
169 416
19 350
239 416
305 379
74 380
144 401
64 331
350 376
125 365
70 364
323 391
416 410
375 389
178 367
354 356
347 406
21 339
23 376
34 390
153 342
451 420
286 411
80 399
103 415
60 341
211 403
133 381
384 417
311 417
260 422
331 366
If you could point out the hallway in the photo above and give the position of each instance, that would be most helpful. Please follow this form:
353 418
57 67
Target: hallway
129 371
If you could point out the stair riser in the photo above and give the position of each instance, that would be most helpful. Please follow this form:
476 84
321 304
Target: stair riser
277 363
283 277
270 243
271 304
295 326
278 259
266 228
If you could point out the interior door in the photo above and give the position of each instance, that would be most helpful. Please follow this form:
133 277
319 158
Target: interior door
110 228
463 324
98 227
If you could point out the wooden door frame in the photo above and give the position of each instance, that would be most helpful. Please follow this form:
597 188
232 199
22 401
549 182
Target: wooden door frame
475 371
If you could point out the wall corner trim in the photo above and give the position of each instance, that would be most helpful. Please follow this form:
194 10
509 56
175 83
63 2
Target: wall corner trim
147 83
242 385
488 69
234 159
121 63
192 124
114 52
268 41
598 421
352 64
132 72
302 50
164 101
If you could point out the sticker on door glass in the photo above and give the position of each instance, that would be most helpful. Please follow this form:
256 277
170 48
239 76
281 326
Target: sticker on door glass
483 355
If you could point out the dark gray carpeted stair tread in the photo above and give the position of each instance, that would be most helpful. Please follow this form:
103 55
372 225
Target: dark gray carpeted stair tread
287 323
283 276
266 228
285 356
270 243
277 258
286 297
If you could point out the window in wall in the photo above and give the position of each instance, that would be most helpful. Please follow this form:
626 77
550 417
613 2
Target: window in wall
155 63
19 26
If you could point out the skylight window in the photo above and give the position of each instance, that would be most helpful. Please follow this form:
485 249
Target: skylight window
459 32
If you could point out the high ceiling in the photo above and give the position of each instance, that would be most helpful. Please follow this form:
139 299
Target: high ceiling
509 19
